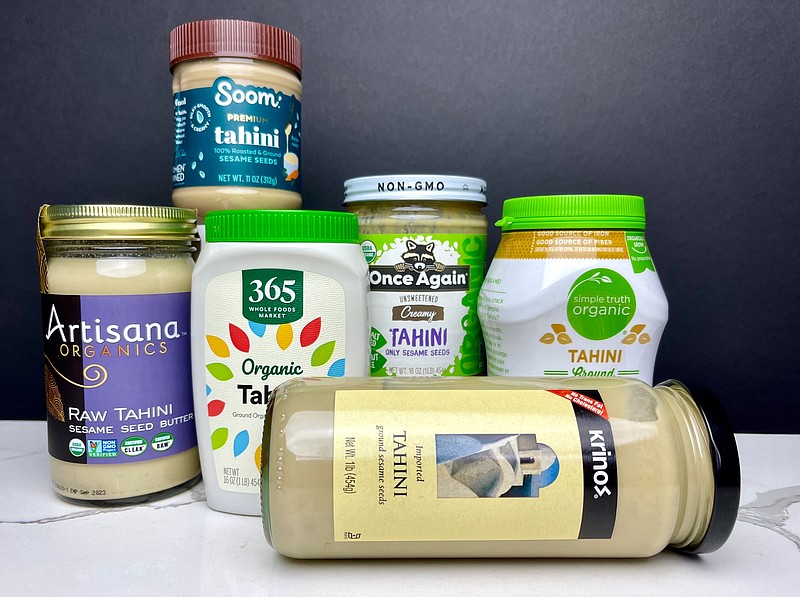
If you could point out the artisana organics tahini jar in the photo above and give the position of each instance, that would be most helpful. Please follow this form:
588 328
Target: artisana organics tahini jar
275 295
496 467
573 290
236 99
424 237
115 282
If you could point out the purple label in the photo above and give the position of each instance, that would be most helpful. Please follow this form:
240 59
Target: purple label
118 376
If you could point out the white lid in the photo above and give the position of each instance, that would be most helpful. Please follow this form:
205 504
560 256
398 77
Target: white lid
431 187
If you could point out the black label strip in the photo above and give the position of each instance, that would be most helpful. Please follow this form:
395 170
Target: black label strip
63 362
599 472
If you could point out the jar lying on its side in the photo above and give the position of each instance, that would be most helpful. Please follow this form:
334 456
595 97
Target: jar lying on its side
496 467
424 237
115 282
236 100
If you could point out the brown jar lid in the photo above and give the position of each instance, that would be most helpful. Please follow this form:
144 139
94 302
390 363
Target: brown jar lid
239 39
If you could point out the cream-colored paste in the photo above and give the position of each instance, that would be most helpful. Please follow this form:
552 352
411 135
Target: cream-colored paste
407 216
123 276
193 74
665 476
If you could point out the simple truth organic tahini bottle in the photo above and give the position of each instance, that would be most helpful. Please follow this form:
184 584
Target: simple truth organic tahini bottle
572 290
496 467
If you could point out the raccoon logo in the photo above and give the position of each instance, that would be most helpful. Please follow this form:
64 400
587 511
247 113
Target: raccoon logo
419 257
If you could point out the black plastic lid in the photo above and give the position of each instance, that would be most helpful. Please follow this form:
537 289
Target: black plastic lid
725 462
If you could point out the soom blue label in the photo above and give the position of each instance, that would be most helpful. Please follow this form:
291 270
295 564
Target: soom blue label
236 135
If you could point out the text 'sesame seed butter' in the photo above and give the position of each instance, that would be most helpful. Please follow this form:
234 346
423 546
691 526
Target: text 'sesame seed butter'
496 467
572 290
236 100
424 238
275 295
115 282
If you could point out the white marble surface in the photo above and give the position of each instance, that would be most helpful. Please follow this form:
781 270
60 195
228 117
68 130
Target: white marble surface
181 547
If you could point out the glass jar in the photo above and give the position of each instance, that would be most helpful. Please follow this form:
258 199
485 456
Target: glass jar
115 283
496 467
424 238
572 290
236 99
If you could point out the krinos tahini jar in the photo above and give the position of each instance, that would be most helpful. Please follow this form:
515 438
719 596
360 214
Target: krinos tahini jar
496 467
115 282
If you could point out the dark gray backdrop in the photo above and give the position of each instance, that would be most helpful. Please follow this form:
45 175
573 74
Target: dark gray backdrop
693 105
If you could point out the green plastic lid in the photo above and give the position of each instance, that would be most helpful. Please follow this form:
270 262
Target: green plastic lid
556 212
281 226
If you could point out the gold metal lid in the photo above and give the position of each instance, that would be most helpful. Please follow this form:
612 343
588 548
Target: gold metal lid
108 222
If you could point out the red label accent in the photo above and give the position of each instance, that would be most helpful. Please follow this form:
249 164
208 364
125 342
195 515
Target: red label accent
239 338
310 333
590 404
215 408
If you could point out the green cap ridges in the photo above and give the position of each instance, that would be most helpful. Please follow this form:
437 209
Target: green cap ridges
281 226
555 212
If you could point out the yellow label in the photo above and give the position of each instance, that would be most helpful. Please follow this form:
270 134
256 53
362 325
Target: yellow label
467 465
563 244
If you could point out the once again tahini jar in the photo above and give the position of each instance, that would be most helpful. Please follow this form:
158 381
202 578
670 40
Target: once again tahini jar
424 237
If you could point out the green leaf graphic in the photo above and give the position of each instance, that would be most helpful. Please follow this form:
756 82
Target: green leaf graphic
219 437
323 354
219 371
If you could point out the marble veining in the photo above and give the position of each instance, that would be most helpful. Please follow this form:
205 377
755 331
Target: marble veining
51 547
195 495
770 510
9 454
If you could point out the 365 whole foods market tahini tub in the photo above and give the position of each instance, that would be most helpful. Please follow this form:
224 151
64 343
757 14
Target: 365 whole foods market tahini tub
275 295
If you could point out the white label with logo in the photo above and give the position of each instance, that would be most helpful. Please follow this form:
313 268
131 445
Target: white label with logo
423 303
263 327
572 303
